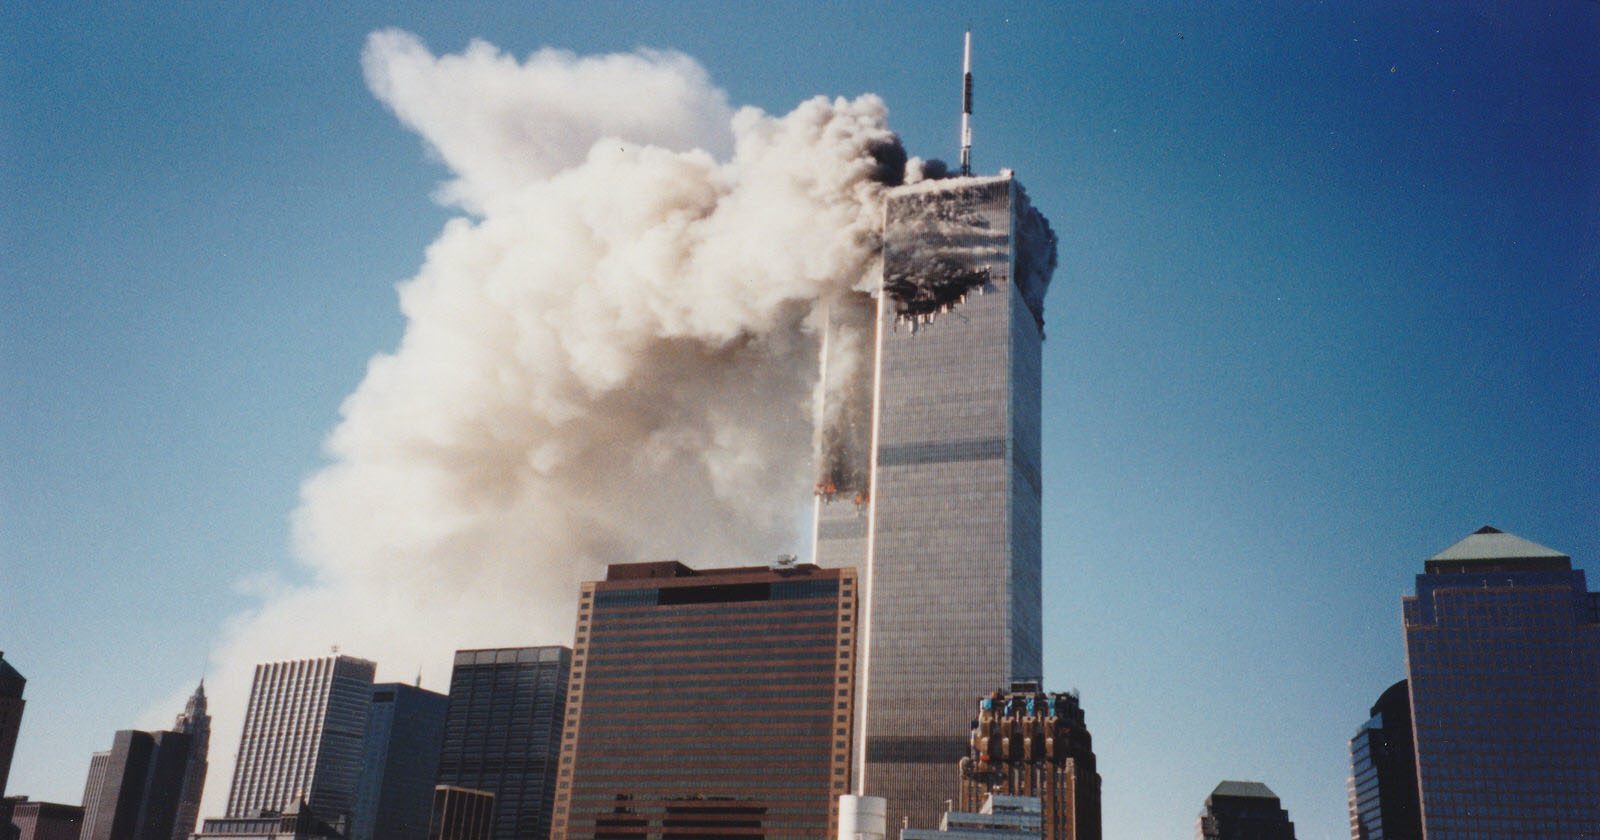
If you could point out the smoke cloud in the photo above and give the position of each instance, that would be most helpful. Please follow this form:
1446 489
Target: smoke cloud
611 356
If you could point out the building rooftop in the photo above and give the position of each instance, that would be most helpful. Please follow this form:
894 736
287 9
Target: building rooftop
1244 790
11 682
1491 549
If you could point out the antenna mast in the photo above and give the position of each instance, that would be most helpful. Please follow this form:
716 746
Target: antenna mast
966 105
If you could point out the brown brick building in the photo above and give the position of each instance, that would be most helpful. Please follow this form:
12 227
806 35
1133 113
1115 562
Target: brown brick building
712 703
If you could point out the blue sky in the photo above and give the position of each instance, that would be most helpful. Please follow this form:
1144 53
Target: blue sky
1327 303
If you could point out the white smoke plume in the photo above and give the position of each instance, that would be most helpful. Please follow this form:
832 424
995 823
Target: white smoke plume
610 358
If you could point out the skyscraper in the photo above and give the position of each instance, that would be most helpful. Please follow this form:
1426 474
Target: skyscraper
195 723
1243 811
99 763
461 814
11 703
1503 654
139 794
711 702
399 763
941 507
503 732
303 731
1383 772
1030 743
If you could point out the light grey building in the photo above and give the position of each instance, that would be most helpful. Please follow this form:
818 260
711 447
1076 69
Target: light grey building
943 518
92 787
1000 817
303 733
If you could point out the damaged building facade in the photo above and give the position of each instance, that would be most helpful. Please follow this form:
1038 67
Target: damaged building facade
940 506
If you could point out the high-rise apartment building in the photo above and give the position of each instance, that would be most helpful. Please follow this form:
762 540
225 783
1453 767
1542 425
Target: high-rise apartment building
98 764
399 763
1243 811
713 702
303 731
139 793
1503 657
11 685
1031 743
1383 772
503 732
935 496
195 723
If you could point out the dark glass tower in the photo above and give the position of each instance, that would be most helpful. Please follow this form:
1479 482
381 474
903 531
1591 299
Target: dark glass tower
709 703
11 703
1503 653
1383 772
399 763
943 516
1243 811
142 787
503 733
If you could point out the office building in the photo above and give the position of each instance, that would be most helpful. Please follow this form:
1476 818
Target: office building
997 816
1503 660
1383 772
1031 743
714 701
461 814
1243 811
943 517
92 787
11 685
139 795
302 737
503 733
46 821
195 723
400 761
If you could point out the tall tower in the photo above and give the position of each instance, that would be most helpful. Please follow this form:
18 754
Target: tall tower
943 517
1503 653
502 733
399 763
303 732
195 723
1383 772
11 685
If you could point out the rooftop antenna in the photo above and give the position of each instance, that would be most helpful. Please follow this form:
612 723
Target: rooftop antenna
966 105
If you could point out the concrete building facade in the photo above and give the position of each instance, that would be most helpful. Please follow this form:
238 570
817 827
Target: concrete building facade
302 737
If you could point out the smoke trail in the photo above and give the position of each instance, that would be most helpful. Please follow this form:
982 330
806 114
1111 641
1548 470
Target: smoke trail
611 358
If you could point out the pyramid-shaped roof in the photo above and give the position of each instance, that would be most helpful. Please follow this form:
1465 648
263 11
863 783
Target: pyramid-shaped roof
1244 790
1489 543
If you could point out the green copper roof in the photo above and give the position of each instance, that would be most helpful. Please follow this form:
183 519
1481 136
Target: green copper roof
1488 543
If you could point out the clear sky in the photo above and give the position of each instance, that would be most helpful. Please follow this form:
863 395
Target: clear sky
1329 300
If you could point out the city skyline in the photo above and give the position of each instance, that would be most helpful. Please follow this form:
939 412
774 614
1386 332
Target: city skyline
1324 307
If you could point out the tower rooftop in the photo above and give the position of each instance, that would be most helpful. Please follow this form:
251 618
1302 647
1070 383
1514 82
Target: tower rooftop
1244 790
1489 546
